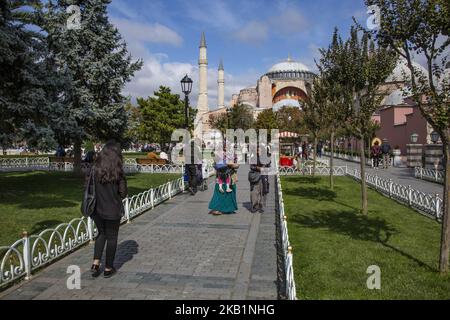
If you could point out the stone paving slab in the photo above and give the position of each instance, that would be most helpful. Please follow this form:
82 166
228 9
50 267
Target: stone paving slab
176 251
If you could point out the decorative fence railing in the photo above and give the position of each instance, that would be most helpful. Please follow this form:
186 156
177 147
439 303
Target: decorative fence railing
38 163
130 166
321 171
431 205
429 174
32 252
357 159
285 244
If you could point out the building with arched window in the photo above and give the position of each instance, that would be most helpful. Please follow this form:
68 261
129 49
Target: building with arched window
284 84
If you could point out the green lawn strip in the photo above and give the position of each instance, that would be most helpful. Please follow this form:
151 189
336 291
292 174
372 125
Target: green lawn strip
334 244
34 201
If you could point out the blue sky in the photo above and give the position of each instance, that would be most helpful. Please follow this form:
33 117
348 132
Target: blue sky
250 36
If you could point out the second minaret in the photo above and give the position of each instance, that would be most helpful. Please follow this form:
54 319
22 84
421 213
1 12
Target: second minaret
221 87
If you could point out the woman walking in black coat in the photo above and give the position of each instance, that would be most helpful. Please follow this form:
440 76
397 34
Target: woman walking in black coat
110 189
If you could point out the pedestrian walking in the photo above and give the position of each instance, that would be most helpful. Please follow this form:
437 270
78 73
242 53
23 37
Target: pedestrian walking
259 185
376 154
108 179
386 152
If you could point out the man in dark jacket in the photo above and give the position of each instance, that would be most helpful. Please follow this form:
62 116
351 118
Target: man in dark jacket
386 152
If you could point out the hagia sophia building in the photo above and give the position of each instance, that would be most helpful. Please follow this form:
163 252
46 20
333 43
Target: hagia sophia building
289 81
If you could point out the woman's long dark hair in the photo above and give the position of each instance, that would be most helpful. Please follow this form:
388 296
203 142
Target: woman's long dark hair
109 164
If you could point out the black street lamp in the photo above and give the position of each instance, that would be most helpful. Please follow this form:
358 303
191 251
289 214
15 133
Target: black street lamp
434 137
228 117
186 87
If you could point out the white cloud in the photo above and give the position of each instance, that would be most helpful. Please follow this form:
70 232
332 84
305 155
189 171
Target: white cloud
253 33
147 33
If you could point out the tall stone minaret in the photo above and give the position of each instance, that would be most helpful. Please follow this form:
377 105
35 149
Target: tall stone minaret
202 104
221 87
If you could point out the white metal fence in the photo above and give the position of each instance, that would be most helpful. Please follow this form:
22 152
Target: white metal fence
32 252
431 205
429 174
357 159
290 171
285 244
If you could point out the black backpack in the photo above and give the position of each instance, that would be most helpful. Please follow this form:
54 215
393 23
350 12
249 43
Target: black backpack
89 199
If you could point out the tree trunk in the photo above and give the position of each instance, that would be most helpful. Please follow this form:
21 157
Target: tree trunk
332 161
445 235
314 156
77 157
363 177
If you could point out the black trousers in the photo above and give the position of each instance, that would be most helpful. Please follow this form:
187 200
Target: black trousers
192 174
108 232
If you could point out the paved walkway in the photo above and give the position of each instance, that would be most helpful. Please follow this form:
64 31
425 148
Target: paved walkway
177 251
403 176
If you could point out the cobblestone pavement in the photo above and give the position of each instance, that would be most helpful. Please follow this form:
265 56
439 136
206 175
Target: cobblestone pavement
177 251
404 176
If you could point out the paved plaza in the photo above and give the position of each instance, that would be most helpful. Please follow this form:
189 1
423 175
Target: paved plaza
177 251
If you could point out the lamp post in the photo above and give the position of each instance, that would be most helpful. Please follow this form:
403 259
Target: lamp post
186 87
228 117
414 138
434 137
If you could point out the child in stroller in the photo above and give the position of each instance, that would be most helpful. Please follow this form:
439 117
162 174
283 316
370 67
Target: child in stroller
223 177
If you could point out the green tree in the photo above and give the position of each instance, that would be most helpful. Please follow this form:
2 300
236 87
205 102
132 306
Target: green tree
28 79
96 60
418 27
365 67
241 117
290 119
219 122
161 115
313 110
337 110
267 119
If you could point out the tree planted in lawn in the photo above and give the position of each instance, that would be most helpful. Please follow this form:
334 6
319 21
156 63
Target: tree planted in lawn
422 28
336 112
95 58
365 67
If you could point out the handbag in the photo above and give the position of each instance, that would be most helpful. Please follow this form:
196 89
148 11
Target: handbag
89 199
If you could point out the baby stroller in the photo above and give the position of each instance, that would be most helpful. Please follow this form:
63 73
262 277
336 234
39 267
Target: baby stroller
202 175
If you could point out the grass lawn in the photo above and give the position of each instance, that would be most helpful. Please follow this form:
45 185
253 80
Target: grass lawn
334 244
34 201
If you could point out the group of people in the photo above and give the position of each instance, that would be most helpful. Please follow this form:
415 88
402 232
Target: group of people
107 179
381 153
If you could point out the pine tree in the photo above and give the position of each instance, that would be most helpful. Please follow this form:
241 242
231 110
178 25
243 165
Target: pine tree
28 80
95 59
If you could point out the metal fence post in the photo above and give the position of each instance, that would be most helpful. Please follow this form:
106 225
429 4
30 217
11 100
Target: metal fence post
376 182
437 207
436 175
170 190
152 169
421 173
409 195
27 255
90 231
391 183
127 209
152 197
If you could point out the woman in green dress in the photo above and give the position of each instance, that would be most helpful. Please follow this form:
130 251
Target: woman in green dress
224 202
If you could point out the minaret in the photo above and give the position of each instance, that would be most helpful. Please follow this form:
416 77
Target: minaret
221 87
202 104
